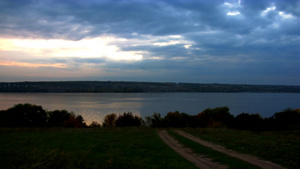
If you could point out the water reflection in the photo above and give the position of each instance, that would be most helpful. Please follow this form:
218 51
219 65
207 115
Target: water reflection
94 106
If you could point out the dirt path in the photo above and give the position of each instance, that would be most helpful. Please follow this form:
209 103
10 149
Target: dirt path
200 161
248 158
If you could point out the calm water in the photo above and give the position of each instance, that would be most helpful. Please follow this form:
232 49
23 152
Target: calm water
94 106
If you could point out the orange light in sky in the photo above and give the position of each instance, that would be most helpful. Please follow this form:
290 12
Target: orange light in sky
24 64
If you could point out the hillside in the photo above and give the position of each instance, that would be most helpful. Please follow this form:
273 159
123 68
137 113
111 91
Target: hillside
130 87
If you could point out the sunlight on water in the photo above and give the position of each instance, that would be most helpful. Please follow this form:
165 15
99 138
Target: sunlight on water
94 106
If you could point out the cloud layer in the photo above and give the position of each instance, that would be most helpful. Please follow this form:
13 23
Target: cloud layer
232 41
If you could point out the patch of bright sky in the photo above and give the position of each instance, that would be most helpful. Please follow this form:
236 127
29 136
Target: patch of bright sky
269 9
282 14
285 15
86 48
232 8
233 13
26 64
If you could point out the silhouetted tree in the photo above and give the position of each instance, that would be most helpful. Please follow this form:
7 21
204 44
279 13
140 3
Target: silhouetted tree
286 119
128 119
177 119
245 121
216 117
24 115
75 121
155 120
110 120
57 118
94 124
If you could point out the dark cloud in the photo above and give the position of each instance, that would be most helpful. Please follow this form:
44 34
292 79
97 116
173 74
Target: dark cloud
218 39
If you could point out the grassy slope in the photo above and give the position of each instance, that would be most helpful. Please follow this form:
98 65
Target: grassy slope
86 148
281 147
222 158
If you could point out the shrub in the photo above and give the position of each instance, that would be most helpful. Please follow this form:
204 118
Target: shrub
110 120
94 124
75 121
57 118
216 117
155 120
177 119
24 115
245 121
128 119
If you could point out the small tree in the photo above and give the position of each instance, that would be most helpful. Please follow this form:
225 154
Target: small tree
75 121
216 117
155 120
94 124
110 120
57 118
245 121
25 115
128 119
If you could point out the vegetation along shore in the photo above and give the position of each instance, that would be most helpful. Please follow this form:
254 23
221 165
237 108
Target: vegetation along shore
31 137
137 87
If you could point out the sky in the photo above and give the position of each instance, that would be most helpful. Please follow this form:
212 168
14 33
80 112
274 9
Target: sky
194 41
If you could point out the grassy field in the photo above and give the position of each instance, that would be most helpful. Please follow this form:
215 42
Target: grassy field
134 147
221 158
281 147
86 148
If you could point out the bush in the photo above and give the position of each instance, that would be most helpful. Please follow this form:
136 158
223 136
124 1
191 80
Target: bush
286 119
155 120
57 118
177 119
216 117
27 115
128 119
24 115
245 121
75 121
94 124
110 120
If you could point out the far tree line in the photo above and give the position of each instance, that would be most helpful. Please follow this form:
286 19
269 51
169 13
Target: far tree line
28 115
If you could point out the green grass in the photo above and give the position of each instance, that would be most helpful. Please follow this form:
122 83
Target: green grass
221 158
281 147
86 148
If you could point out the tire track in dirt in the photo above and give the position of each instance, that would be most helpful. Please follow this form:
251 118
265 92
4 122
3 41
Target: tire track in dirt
199 160
245 157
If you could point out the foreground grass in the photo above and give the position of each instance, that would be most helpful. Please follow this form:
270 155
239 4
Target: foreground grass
281 147
219 157
86 148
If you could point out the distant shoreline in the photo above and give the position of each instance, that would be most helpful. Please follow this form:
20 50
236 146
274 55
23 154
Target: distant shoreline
137 87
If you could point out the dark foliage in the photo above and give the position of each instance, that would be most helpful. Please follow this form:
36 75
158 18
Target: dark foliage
245 121
57 118
177 119
27 115
216 117
128 119
155 120
110 120
24 115
74 121
94 124
286 119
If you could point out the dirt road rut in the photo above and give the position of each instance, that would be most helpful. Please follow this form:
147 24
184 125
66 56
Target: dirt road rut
245 157
200 161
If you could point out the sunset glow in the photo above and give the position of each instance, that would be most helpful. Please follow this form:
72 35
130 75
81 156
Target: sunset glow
86 48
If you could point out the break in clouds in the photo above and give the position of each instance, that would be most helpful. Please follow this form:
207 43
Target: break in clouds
231 41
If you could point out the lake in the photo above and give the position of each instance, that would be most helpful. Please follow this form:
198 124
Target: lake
94 106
